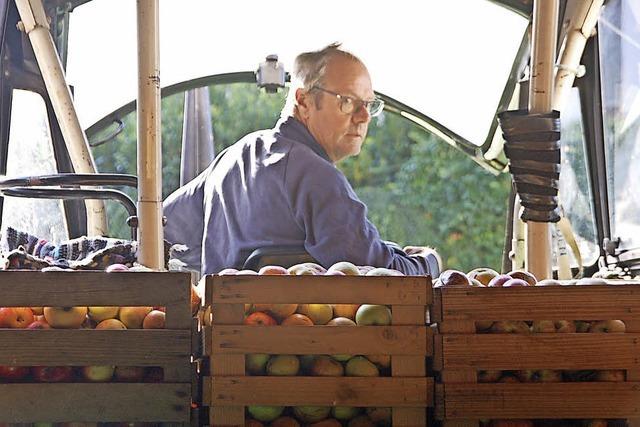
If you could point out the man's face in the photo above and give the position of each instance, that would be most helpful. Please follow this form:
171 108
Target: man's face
339 133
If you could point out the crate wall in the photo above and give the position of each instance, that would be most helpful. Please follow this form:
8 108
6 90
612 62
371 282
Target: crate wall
461 352
228 389
168 400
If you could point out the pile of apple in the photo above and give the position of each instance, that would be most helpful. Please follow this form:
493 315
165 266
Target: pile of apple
486 277
334 365
111 317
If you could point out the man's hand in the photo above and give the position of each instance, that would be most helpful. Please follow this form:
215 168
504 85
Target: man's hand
433 258
417 250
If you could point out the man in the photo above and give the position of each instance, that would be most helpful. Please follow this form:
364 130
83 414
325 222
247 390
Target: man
281 186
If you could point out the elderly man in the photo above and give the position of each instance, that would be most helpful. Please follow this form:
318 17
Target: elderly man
280 187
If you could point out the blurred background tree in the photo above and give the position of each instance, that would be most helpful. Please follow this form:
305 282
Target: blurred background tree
419 190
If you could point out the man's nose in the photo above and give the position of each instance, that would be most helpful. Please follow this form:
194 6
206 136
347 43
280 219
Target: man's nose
361 115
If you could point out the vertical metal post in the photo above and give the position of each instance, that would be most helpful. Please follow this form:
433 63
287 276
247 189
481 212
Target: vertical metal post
151 247
543 48
36 26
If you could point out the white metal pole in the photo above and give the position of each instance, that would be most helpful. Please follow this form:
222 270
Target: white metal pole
543 48
151 247
36 26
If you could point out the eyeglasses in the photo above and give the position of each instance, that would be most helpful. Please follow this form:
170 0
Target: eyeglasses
350 105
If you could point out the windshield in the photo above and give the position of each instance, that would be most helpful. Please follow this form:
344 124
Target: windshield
620 62
402 46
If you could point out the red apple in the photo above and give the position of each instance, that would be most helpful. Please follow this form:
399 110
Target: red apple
499 280
297 319
98 373
608 326
227 272
259 318
610 375
154 320
16 317
14 373
489 375
524 275
132 317
454 278
116 267
39 324
515 282
52 374
111 324
269 270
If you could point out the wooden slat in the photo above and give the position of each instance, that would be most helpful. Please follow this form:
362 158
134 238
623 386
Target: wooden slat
547 400
92 288
178 316
406 290
344 391
410 365
227 365
83 347
407 340
540 303
632 374
95 402
541 351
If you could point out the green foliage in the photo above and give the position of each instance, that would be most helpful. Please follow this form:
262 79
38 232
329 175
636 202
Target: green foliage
419 190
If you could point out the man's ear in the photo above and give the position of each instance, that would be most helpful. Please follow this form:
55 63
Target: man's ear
303 101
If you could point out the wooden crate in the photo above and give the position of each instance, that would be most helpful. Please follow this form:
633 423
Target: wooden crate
408 340
170 348
460 352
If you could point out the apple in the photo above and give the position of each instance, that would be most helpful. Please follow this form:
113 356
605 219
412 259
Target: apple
341 321
597 423
88 324
256 363
509 379
373 314
284 422
259 318
524 275
297 319
482 274
228 272
329 422
246 273
16 317
483 325
334 273
609 326
37 311
98 314
265 413
111 324
548 282
454 278
98 373
311 414
515 282
489 375
272 270
345 267
476 283
539 376
610 375
283 365
65 317
153 374
591 281
154 320
317 268
196 300
564 326
360 366
306 361
132 317
499 280
361 421
546 326
39 324
382 361
116 267
325 366
512 423
379 415
52 374
345 310
510 327
344 412
14 373
582 325
131 374
277 311
380 271
319 314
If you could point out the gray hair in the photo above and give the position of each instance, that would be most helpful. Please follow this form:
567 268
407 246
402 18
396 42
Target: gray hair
308 71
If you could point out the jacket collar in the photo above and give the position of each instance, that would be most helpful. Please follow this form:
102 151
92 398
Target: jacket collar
291 128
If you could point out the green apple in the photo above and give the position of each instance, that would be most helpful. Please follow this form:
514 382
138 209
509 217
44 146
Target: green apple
320 314
311 414
360 366
370 314
256 363
345 267
98 373
283 365
344 412
98 314
265 413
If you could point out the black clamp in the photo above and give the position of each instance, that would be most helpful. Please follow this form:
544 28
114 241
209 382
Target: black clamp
533 149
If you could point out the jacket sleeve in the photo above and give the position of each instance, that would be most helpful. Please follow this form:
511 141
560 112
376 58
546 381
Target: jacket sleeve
335 220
